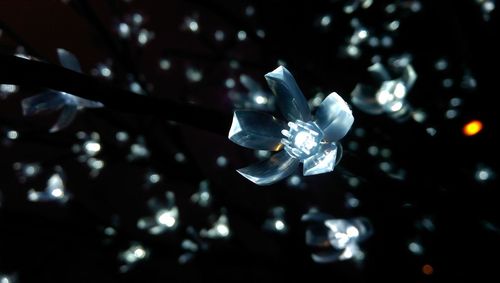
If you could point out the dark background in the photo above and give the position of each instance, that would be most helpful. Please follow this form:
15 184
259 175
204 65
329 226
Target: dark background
50 242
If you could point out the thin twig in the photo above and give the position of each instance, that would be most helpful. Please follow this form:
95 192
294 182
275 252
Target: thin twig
15 70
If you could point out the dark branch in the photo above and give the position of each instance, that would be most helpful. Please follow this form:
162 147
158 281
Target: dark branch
19 71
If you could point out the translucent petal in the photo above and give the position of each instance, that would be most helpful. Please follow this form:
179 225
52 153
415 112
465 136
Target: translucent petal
68 60
256 130
270 171
67 116
326 256
46 101
322 162
82 102
379 72
315 217
291 102
334 117
363 97
409 77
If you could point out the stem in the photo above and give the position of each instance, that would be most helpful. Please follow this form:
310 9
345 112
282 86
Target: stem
19 71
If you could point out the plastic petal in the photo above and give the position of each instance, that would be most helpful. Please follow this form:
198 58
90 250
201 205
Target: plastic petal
290 100
67 116
68 60
322 162
325 256
363 97
379 72
334 117
256 130
270 171
46 101
82 102
409 77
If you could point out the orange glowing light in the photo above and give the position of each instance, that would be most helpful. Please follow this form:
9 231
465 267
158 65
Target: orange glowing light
427 269
472 128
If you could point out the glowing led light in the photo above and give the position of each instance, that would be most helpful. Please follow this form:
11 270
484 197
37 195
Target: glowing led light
279 225
167 219
451 114
136 87
180 157
394 25
219 35
362 34
121 136
165 64
415 248
427 269
398 105
242 35
326 20
294 181
124 30
353 50
259 99
57 193
260 33
484 174
193 74
137 18
139 253
154 178
221 161
92 147
302 139
8 88
472 128
12 135
249 11
352 232
222 229
192 25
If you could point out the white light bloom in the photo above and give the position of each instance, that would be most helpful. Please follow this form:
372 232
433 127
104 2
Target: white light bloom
311 140
389 96
335 239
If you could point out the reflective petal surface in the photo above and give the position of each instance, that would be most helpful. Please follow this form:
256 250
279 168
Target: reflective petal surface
289 97
270 171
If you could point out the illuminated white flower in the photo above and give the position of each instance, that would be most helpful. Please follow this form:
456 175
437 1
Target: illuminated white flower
311 140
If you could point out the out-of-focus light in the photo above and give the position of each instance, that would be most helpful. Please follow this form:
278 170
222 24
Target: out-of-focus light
223 230
180 157
121 136
415 248
326 20
219 35
165 64
166 218
57 193
484 174
154 178
249 11
230 83
92 147
221 161
427 269
279 225
472 128
242 35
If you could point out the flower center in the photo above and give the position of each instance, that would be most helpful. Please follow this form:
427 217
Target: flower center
302 139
